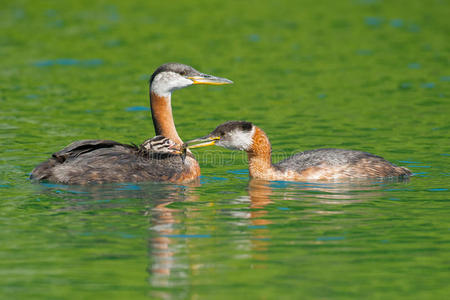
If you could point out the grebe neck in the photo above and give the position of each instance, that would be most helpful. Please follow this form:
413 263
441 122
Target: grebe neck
260 156
161 108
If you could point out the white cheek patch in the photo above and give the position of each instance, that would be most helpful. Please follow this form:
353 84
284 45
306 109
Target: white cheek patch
238 140
166 82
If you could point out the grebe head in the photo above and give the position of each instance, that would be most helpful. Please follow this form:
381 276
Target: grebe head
233 135
160 144
173 76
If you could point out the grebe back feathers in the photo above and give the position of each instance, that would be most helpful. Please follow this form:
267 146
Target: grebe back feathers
319 164
101 161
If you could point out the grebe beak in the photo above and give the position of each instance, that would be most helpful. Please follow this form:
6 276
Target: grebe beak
209 79
176 149
204 141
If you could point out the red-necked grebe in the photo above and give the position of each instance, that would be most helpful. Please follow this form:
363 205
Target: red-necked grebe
319 164
101 161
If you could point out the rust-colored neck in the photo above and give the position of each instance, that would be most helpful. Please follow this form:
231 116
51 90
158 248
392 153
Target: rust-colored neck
260 156
162 117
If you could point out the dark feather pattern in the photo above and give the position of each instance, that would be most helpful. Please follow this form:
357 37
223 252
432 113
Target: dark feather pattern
100 161
353 163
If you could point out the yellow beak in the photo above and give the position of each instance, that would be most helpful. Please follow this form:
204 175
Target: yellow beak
209 79
204 142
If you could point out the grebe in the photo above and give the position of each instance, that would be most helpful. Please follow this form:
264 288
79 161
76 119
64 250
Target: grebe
319 164
158 145
101 161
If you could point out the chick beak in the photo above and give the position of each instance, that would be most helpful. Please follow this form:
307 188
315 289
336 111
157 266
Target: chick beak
176 149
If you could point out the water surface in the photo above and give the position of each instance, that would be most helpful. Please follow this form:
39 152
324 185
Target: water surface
365 75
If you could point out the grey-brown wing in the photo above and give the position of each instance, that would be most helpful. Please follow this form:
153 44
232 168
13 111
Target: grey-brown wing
329 156
80 147
45 169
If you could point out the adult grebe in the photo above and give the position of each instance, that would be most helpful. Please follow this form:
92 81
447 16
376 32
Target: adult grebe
101 161
319 164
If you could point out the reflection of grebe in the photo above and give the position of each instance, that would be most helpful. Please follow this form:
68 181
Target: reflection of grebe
98 161
319 164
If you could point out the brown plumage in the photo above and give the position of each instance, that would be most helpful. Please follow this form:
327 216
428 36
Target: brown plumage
101 161
319 164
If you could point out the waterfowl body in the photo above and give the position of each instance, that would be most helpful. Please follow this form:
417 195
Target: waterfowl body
319 164
101 161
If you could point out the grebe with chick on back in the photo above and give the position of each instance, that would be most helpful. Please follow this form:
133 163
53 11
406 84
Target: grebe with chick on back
102 161
319 164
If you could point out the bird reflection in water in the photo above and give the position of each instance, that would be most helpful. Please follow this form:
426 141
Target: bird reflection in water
259 194
172 256
160 245
170 250
166 268
332 196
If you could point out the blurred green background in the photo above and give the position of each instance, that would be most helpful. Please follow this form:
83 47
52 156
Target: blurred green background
369 75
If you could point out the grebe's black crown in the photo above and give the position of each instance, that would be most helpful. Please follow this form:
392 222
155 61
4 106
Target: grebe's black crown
230 126
182 69
235 135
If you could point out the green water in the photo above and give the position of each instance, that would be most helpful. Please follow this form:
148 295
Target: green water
358 74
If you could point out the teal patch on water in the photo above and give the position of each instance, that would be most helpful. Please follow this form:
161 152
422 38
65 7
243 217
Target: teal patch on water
397 23
53 185
187 236
414 28
138 108
129 187
364 52
367 2
428 85
50 13
257 226
56 24
218 178
113 43
68 62
414 66
238 172
19 13
254 38
417 166
405 85
421 174
283 208
127 236
373 21
211 179
331 238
